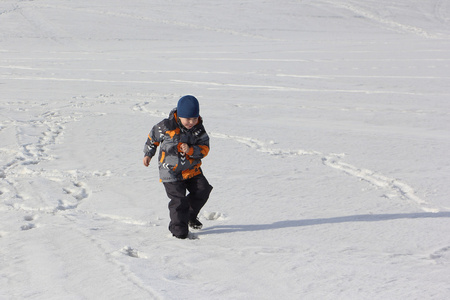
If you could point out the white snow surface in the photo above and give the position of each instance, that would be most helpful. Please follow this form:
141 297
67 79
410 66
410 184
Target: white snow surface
329 123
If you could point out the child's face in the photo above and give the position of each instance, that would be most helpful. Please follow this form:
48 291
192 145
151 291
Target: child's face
189 122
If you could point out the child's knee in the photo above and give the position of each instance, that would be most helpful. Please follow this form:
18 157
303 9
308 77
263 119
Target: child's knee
204 192
179 204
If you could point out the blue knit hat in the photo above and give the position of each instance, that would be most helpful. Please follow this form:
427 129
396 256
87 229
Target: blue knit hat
188 107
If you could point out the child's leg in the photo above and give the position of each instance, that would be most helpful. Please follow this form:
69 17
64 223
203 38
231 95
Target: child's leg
178 208
199 190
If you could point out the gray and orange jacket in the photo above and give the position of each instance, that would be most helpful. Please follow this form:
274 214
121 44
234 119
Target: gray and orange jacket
169 134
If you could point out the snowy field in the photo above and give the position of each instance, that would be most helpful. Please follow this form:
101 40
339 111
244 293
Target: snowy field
329 123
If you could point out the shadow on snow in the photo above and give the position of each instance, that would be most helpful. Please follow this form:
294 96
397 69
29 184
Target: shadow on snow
321 221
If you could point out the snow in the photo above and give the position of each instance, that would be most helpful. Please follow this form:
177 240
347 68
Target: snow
329 125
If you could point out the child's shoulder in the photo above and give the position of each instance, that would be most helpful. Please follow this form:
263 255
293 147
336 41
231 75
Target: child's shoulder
167 123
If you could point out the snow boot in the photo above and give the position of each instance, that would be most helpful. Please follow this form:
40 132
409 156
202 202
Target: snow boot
181 236
195 224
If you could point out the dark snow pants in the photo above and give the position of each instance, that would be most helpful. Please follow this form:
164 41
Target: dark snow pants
183 208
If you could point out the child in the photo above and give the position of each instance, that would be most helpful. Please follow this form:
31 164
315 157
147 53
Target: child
182 142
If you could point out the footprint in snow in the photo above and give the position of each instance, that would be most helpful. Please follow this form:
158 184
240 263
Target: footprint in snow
441 254
77 190
29 218
212 216
28 226
130 252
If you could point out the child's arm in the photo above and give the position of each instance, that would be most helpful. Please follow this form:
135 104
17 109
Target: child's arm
197 151
153 141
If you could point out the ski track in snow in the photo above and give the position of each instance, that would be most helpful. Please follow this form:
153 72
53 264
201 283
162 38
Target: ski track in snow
440 11
332 160
389 23
228 86
156 20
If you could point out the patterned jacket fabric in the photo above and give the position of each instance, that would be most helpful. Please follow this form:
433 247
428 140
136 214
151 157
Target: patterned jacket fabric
169 134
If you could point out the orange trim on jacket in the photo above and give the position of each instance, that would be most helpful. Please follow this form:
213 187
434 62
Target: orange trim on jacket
154 143
204 150
189 173
172 133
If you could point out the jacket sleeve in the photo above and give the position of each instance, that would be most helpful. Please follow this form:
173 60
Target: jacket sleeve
201 148
153 140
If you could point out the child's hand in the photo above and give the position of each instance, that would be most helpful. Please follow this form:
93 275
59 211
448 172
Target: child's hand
184 148
147 160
